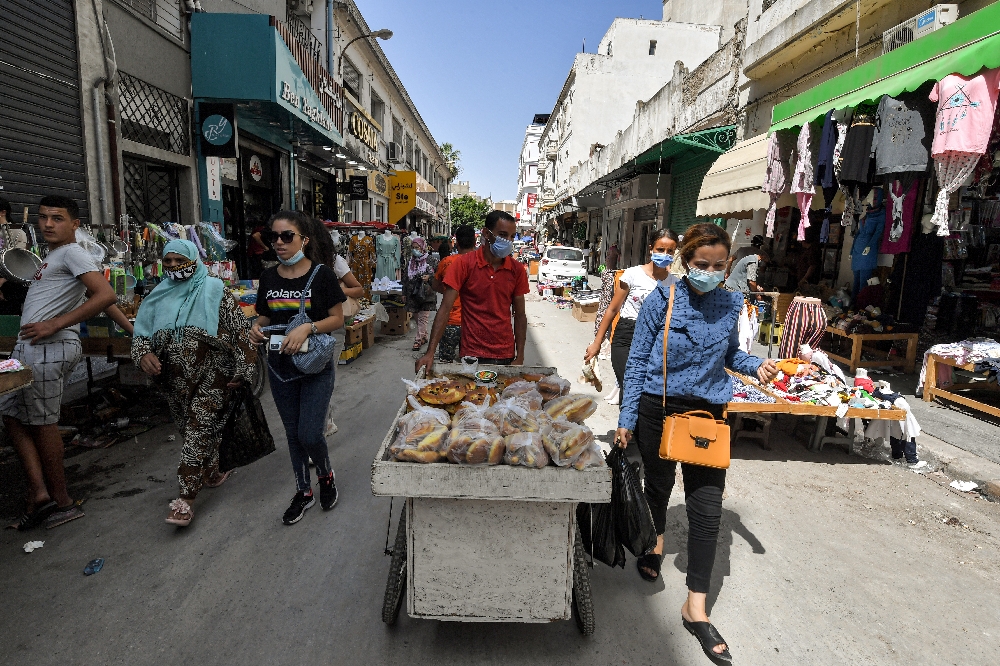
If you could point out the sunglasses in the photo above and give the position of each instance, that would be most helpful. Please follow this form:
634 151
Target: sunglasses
270 237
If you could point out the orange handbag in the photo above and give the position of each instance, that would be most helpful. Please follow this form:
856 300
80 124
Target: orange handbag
696 437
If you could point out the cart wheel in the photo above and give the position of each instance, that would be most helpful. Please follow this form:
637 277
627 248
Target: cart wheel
259 371
396 585
583 602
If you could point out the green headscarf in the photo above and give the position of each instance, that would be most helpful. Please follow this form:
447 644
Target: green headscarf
174 304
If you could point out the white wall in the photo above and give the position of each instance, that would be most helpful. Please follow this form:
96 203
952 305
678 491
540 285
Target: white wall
724 13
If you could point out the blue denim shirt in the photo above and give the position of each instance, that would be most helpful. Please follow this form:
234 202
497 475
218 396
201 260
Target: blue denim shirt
703 342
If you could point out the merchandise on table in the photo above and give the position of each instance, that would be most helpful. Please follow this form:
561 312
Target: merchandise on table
575 407
553 386
973 350
525 449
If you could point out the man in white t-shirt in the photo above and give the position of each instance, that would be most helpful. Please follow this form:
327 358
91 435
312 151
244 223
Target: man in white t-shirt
68 288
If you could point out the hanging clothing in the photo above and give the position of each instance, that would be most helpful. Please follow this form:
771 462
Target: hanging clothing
388 252
903 132
953 169
824 157
920 277
897 234
805 322
856 160
965 109
775 180
362 261
607 293
803 184
864 251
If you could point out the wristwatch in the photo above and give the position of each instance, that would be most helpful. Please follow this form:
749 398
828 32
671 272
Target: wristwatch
312 326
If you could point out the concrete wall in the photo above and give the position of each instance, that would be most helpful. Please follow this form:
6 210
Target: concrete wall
724 13
92 68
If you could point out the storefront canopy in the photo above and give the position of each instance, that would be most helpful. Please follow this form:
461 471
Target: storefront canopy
675 153
964 47
241 58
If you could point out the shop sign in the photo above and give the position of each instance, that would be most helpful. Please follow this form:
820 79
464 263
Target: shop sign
362 129
378 184
256 170
532 200
218 129
402 194
314 113
359 188
213 176
622 193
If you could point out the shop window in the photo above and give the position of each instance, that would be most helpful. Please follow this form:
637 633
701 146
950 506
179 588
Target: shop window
151 191
352 79
378 108
153 117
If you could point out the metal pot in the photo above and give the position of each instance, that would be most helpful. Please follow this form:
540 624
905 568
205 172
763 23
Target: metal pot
19 265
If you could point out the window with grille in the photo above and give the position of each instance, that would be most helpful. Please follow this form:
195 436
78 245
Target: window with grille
352 79
408 151
151 191
154 117
378 108
397 132
165 13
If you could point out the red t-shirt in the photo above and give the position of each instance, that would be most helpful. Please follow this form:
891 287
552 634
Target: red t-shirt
487 298
455 316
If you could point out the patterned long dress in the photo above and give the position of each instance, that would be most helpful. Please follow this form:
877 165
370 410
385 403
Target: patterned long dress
195 370
363 261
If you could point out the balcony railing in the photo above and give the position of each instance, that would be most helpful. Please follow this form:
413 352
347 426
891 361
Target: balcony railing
303 35
307 52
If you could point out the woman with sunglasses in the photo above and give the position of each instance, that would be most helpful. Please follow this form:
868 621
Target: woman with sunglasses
301 399
192 336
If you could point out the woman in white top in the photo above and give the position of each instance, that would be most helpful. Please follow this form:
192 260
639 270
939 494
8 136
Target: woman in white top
633 286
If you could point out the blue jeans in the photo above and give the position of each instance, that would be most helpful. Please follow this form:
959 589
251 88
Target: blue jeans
302 405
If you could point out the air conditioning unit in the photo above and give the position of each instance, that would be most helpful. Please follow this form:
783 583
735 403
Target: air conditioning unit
934 18
395 152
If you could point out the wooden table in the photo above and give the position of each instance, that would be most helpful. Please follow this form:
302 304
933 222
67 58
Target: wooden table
111 348
932 391
859 339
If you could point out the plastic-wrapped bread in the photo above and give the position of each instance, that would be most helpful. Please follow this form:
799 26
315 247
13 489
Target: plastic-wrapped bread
525 449
475 441
565 441
423 443
552 387
575 407
509 417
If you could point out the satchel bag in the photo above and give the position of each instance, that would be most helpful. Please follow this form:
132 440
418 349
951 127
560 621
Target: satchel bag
321 345
351 305
246 437
696 437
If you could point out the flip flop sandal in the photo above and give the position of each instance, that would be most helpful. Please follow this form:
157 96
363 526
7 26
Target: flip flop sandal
219 480
180 513
62 516
35 517
649 561
417 345
709 637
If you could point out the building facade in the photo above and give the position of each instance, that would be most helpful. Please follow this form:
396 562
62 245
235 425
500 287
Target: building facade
527 173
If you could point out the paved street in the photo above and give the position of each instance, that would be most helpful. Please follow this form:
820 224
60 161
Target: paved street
823 559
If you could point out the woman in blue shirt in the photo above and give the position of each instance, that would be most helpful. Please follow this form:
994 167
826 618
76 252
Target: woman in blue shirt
702 343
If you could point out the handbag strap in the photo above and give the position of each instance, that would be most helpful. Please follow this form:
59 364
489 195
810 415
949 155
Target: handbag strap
666 335
302 294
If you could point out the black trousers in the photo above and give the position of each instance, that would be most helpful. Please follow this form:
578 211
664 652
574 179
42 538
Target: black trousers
703 486
621 344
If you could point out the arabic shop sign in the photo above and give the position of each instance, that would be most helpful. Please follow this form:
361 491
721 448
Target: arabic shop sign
402 194
314 113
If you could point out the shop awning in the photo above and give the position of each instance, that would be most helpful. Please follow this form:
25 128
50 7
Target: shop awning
241 58
964 47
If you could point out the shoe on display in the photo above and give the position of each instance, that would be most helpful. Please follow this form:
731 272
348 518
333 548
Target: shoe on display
297 508
328 495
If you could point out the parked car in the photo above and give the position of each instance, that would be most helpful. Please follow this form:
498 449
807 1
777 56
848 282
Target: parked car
561 264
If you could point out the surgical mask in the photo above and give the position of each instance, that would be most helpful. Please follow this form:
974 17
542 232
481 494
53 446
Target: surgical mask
501 247
182 273
419 255
705 281
296 258
662 259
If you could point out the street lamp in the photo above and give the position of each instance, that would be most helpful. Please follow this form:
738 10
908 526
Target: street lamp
384 34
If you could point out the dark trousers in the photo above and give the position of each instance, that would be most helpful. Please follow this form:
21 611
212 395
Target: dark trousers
902 447
302 405
703 486
621 344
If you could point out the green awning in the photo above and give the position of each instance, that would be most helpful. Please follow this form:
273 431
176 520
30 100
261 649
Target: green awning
964 47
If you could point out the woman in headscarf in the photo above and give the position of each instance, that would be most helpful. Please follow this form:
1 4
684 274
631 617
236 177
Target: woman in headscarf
192 336
420 295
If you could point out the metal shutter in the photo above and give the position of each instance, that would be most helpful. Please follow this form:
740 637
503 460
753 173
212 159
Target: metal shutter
645 213
41 125
684 197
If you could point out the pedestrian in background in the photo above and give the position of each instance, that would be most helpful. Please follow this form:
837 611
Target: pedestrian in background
448 352
421 299
191 335
302 399
702 343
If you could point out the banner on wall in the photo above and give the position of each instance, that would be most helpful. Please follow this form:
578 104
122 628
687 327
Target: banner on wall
402 194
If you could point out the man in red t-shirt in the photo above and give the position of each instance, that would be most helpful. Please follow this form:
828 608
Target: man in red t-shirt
448 348
491 285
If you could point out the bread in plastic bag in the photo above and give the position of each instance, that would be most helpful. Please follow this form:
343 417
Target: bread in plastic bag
591 457
509 417
565 441
423 434
552 387
575 407
519 387
525 449
475 441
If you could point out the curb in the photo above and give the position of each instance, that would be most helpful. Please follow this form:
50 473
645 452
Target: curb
960 464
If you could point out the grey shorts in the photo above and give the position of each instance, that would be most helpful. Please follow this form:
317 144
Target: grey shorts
40 402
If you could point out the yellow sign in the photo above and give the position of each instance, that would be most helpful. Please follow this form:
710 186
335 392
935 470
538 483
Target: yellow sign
402 194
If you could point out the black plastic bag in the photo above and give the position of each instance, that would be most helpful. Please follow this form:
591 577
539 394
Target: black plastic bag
631 516
598 533
245 437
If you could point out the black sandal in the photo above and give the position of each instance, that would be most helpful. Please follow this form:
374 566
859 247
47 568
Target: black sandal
35 517
652 562
709 637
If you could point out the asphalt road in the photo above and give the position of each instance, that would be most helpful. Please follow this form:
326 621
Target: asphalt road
823 559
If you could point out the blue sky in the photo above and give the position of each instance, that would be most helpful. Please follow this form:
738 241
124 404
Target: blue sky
479 70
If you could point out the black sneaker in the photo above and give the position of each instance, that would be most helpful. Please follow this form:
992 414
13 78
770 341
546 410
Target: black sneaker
328 492
297 508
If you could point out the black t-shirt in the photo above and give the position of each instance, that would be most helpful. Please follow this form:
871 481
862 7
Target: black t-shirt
278 300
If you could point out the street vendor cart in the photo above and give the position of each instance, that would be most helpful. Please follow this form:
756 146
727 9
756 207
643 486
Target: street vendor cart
488 543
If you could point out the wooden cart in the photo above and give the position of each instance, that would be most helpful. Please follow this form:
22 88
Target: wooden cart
932 391
488 544
858 341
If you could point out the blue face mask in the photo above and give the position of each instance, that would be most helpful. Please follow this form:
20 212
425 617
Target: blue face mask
705 281
662 259
296 258
501 247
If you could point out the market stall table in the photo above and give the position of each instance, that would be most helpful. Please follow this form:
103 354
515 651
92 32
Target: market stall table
858 341
488 543
932 391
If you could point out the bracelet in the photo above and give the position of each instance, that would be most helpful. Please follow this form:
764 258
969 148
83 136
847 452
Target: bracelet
312 326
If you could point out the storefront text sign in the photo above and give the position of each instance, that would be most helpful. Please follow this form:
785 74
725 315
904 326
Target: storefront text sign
256 170
213 176
314 113
378 184
364 131
402 194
